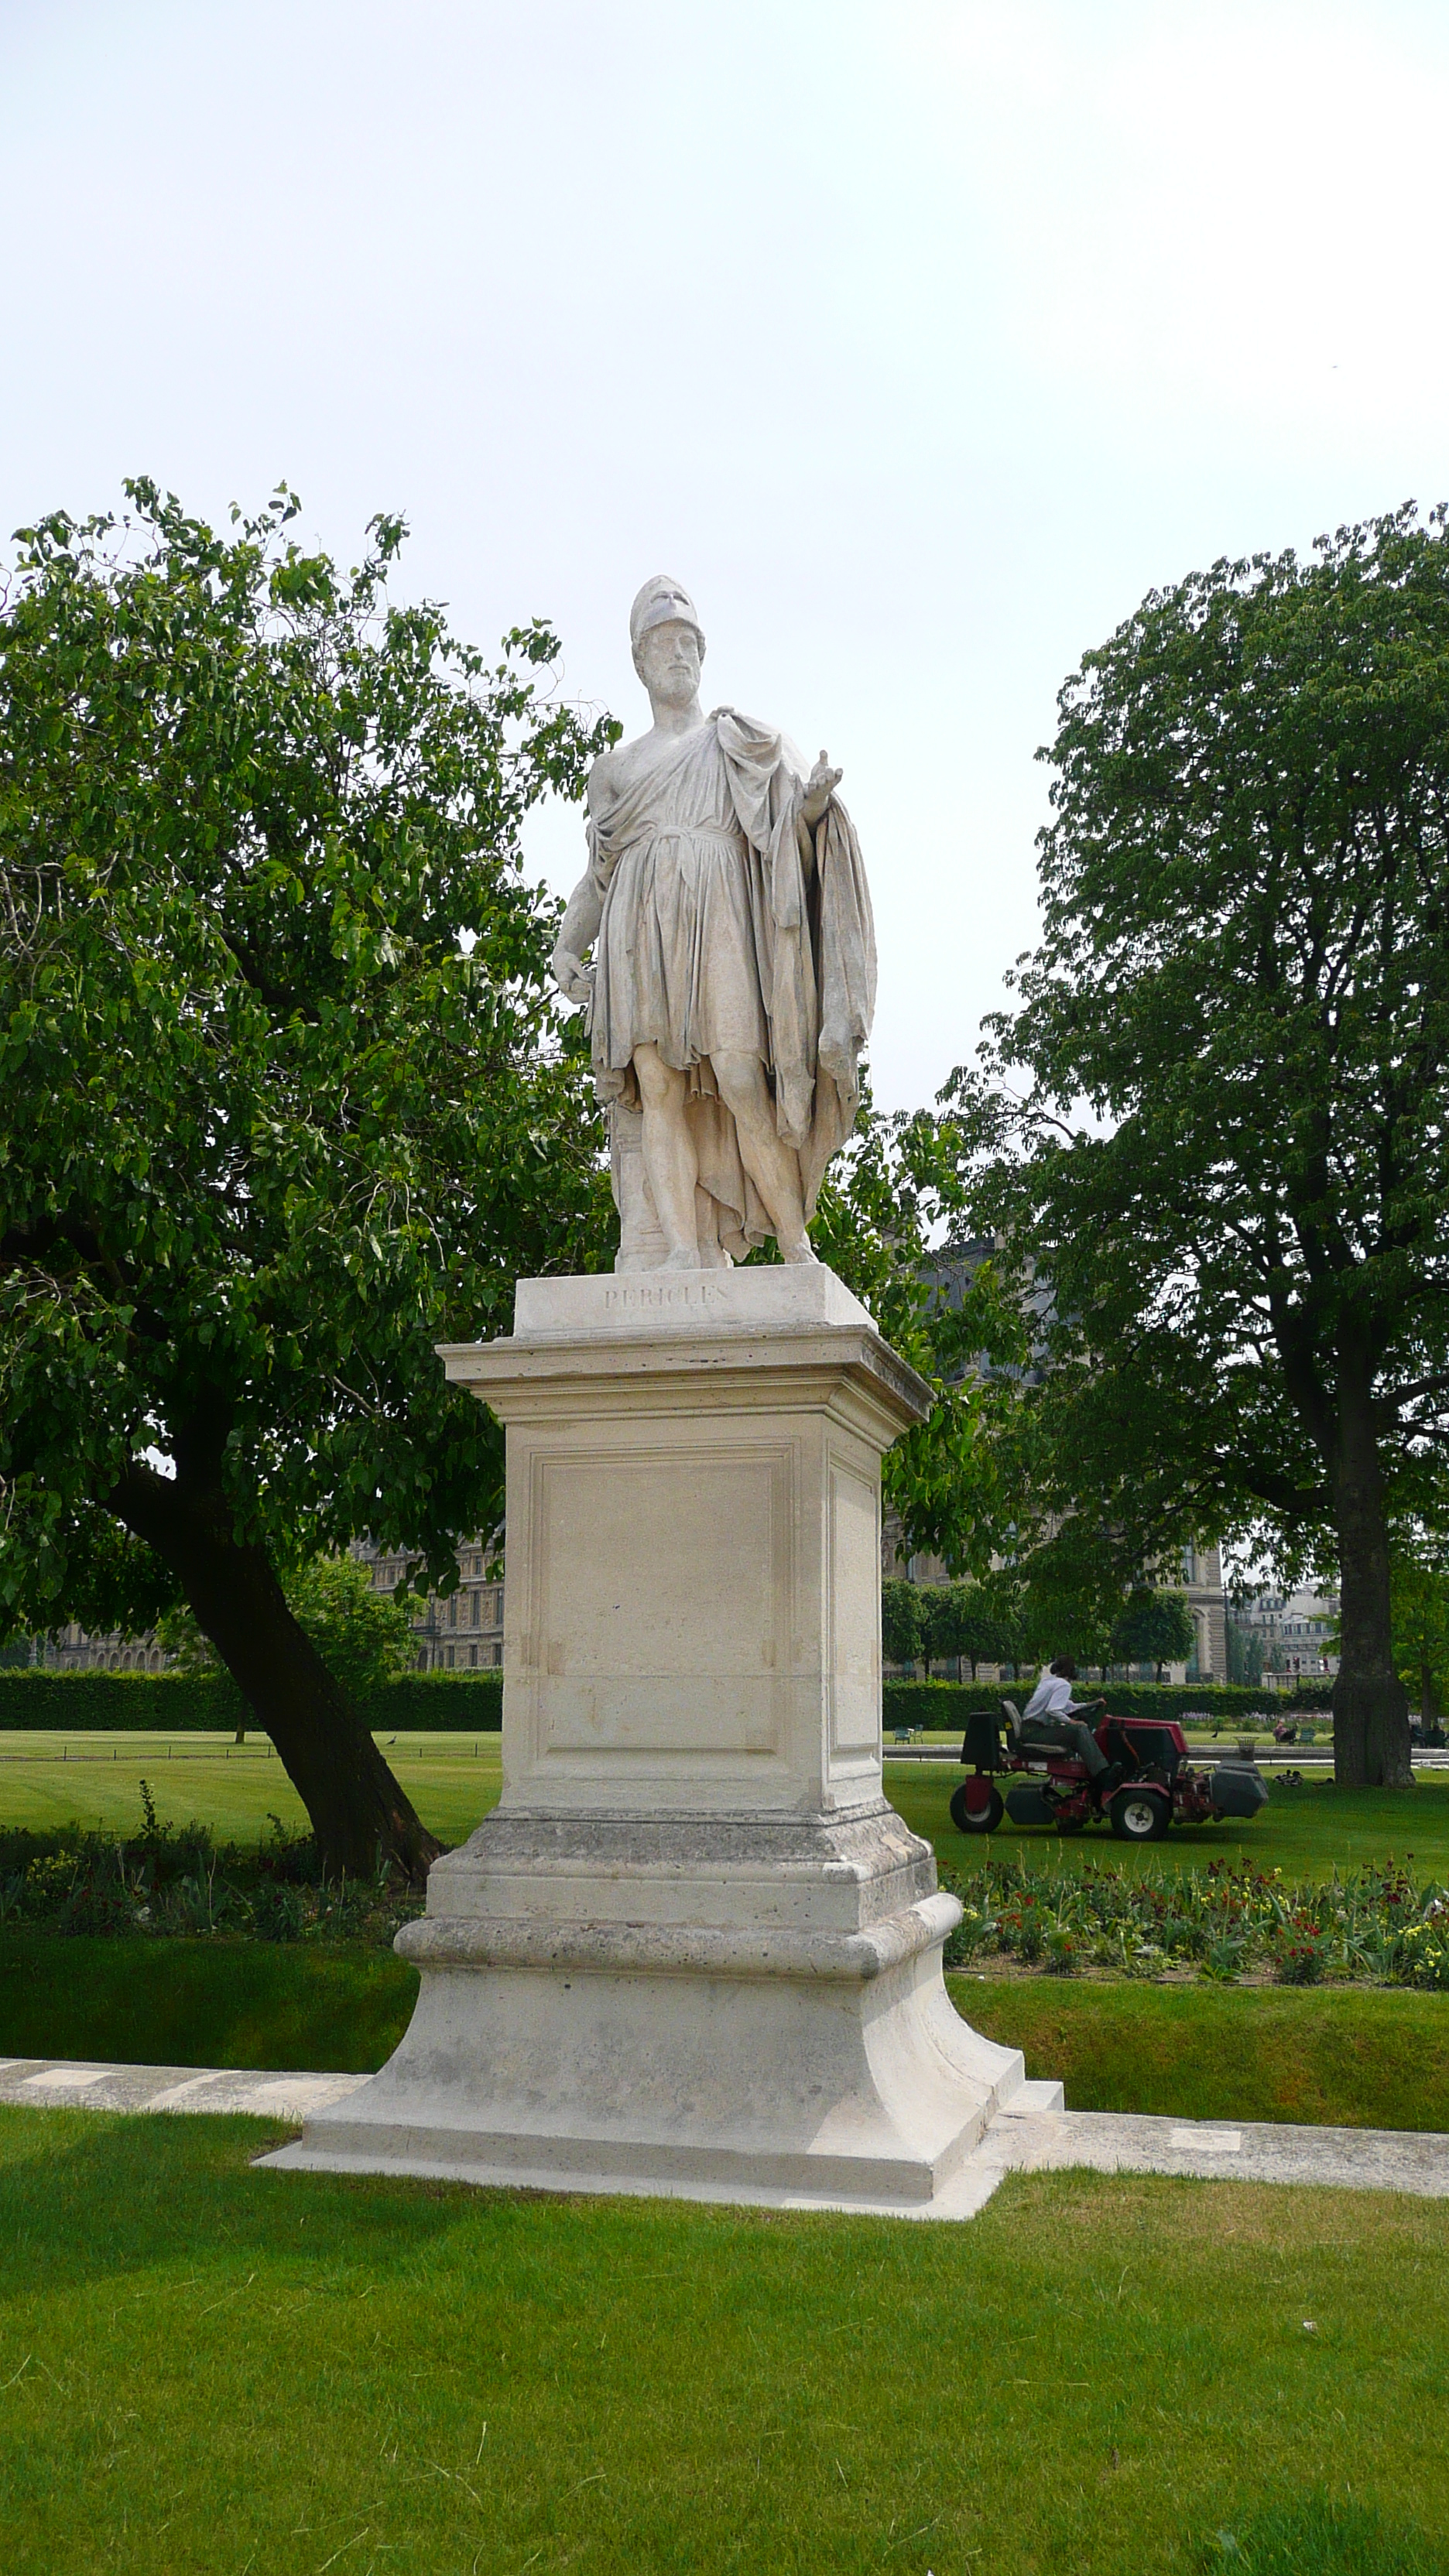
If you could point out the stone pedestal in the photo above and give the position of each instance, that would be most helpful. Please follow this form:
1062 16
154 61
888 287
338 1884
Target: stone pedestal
693 1949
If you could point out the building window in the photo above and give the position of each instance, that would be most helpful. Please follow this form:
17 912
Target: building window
472 1654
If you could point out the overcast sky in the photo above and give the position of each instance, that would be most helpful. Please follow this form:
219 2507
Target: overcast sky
917 340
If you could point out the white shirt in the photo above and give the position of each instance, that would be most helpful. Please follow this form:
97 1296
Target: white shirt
1052 1697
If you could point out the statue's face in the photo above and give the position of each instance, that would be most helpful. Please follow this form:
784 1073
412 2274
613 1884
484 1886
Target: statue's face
668 661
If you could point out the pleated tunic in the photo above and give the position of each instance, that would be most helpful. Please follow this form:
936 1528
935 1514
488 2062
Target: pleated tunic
678 965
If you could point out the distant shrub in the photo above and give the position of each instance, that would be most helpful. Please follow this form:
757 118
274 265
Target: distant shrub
1202 1704
183 1703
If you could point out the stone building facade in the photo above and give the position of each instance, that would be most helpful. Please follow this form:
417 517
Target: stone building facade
1294 1630
75 1650
1199 1575
463 1633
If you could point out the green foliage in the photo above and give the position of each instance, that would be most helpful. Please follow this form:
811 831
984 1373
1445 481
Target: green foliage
363 1636
1419 1593
1153 1628
1229 1153
900 1622
1245 1655
970 1620
288 1097
1056 1605
883 1205
209 1702
1376 1924
948 1704
175 1880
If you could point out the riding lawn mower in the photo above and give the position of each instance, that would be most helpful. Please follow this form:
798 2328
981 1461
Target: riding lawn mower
1149 1785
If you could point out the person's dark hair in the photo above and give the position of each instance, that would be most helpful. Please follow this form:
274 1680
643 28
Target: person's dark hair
1065 1669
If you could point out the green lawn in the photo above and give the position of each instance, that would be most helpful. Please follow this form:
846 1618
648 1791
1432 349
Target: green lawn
1349 2056
454 1780
48 1780
209 2370
1306 1832
1353 2057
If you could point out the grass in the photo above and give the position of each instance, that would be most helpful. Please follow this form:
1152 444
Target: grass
454 1781
285 2006
1348 2057
1307 1832
1313 2535
1351 2057
209 2370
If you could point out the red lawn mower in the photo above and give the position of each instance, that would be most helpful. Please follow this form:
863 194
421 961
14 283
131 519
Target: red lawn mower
1155 1783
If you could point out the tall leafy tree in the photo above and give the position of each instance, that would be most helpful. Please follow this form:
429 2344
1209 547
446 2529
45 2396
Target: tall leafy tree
900 1620
1218 1120
286 1100
1152 1627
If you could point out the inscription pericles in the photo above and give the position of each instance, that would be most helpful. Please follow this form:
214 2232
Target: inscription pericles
646 1296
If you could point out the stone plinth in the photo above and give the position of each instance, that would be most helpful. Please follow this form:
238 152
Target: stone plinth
693 1949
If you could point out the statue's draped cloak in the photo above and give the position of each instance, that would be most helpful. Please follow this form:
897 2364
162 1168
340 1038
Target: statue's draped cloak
716 935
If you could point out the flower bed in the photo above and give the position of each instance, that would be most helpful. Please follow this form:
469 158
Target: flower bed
1375 1924
175 1879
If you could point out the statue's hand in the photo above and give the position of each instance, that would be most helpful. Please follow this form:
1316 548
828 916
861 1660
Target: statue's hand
574 979
819 788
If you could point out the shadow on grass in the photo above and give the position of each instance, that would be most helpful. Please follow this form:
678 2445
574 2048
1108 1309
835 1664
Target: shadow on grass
284 2006
88 2196
1315 2536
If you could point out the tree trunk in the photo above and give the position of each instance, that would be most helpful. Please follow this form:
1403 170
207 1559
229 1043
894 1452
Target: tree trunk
359 1814
1370 1705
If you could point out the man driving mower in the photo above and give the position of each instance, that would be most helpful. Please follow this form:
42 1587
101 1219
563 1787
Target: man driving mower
1052 1716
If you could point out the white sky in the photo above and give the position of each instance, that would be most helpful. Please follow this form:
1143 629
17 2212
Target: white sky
918 340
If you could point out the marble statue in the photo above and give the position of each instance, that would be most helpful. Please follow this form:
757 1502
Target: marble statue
692 1950
733 976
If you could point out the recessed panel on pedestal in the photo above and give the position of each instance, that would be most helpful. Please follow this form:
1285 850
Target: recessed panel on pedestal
661 1600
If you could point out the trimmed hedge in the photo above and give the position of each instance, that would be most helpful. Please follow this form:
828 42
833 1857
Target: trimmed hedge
187 1703
950 1703
472 1703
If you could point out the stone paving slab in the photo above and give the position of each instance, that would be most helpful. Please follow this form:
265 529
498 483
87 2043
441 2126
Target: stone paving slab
50 2083
1035 2137
1255 2151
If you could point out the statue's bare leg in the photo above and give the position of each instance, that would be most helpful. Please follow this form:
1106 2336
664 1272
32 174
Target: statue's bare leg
740 1081
670 1161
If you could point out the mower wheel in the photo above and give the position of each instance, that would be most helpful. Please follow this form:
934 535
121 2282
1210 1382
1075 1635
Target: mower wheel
1071 1824
976 1820
1138 1817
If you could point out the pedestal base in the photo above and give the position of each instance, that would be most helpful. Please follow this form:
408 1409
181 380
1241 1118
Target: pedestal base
692 1950
736 2008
